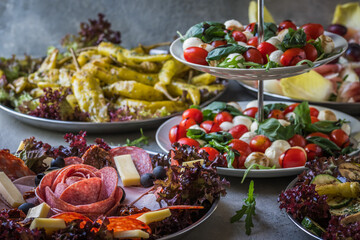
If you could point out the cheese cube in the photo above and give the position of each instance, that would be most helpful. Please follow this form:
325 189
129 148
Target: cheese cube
49 224
154 216
131 234
9 191
21 146
191 163
127 170
40 211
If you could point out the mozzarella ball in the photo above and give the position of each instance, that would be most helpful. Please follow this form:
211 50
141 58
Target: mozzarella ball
234 58
273 40
246 137
275 56
195 126
289 115
245 45
327 114
258 158
251 104
226 126
283 122
192 42
273 154
356 137
235 105
281 144
207 47
242 120
327 43
234 25
282 34
254 126
248 35
346 128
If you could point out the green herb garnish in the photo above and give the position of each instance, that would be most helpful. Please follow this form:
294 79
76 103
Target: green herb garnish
143 140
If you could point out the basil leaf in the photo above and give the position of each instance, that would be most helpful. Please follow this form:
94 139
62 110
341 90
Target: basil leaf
229 39
293 39
302 118
327 145
326 126
273 106
218 146
270 30
195 133
347 150
208 114
213 33
223 51
274 130
206 30
216 107
230 157
318 46
221 137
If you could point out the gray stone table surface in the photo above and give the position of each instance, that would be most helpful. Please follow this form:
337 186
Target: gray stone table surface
270 222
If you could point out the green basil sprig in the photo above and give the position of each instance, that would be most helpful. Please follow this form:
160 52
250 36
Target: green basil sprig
327 146
274 130
293 39
223 51
207 31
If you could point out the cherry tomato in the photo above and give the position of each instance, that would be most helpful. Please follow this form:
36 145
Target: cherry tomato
185 124
238 161
240 146
253 41
286 24
297 140
189 142
218 43
238 130
239 36
253 55
312 151
223 117
290 108
251 27
266 48
196 55
210 126
175 134
213 153
251 112
314 119
259 143
318 134
310 52
293 157
340 138
313 30
292 56
193 113
276 113
314 112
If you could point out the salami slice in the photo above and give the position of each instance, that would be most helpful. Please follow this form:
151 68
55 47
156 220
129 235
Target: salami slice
97 157
71 216
109 179
119 224
139 156
13 166
72 160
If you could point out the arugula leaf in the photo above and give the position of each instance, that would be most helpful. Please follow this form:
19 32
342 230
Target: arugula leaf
223 51
248 208
230 158
143 140
317 44
293 39
327 145
274 130
252 166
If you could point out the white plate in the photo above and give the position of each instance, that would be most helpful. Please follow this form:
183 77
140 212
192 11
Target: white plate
162 139
258 74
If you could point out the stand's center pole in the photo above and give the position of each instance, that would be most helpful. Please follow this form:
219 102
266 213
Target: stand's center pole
260 30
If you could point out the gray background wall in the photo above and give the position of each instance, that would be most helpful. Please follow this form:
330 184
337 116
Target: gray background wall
29 26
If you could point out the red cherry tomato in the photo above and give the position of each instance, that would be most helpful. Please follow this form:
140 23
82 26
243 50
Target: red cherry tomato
290 108
251 112
314 112
276 113
238 130
293 157
185 124
297 140
223 117
313 30
253 55
189 142
312 151
210 126
266 48
239 36
196 55
318 134
340 138
310 52
240 146
286 24
259 143
238 161
251 27
314 119
253 41
193 113
175 134
292 56
213 153
218 43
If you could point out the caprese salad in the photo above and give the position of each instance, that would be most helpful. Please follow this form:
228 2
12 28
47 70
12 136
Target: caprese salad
288 137
232 45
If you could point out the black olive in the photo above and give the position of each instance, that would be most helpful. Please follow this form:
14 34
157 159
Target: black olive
147 180
123 196
58 162
38 178
25 207
159 172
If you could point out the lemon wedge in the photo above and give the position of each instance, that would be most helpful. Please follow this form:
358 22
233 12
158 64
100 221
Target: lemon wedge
253 13
347 14
308 86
